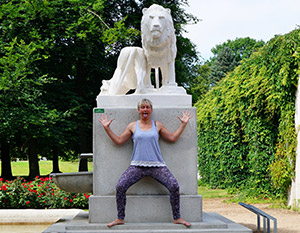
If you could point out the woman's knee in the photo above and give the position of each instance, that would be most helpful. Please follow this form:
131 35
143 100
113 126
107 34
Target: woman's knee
120 188
174 187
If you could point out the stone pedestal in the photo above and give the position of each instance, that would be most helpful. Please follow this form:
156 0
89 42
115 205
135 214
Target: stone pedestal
147 200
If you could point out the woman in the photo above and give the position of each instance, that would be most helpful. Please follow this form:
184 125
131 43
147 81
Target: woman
146 158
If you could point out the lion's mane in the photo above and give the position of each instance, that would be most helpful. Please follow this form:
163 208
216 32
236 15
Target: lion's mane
162 49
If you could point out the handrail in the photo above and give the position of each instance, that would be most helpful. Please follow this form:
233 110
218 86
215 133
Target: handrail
265 216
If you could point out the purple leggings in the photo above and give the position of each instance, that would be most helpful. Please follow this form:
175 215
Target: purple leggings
134 173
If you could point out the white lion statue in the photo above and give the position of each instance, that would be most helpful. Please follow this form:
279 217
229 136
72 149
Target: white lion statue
159 42
129 74
159 51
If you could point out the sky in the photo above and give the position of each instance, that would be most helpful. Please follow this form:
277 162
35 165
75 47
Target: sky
221 20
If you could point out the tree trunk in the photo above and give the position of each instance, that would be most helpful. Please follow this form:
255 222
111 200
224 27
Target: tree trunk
84 139
6 172
55 162
34 169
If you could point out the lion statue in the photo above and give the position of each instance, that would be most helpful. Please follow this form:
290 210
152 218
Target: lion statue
159 42
129 74
159 51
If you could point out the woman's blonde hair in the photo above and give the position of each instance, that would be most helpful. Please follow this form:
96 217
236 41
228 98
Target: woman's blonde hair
144 101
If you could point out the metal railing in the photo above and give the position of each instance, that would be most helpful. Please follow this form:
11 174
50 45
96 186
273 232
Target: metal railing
266 217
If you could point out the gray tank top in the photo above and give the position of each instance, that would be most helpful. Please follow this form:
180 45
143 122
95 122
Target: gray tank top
146 151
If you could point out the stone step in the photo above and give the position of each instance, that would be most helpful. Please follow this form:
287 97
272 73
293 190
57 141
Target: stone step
166 231
212 222
143 226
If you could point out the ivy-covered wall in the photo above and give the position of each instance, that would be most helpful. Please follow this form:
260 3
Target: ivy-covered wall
246 132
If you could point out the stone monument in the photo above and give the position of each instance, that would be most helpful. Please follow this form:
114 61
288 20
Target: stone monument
148 206
147 200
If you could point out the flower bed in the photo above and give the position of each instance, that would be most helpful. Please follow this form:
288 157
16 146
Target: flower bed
40 193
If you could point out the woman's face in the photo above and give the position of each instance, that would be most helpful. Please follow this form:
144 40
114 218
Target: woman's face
145 111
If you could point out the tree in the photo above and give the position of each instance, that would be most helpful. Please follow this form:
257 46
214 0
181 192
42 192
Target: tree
76 45
227 56
22 109
240 47
224 63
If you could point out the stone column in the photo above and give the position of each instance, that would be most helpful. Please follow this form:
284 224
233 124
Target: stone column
147 200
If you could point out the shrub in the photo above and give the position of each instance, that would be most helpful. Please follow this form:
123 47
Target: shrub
247 137
39 194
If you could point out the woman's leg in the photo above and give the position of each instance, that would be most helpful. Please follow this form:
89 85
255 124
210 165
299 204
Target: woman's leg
132 175
165 177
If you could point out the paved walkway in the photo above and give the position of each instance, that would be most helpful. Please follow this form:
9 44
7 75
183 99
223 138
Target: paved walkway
32 220
35 216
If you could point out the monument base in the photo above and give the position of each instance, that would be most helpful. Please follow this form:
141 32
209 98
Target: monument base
130 101
212 222
144 208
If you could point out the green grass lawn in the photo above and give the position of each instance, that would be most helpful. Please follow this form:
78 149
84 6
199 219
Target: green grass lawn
206 192
21 168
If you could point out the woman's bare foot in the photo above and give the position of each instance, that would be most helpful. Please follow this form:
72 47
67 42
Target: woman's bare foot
183 222
116 222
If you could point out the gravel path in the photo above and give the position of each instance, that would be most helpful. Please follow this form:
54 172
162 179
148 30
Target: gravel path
287 221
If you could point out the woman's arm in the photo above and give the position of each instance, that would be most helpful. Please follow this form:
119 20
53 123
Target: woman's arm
173 137
118 140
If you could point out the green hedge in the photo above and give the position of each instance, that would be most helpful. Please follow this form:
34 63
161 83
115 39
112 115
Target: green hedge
247 137
40 193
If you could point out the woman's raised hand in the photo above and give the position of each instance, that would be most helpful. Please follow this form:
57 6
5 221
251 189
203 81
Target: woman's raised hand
103 119
186 116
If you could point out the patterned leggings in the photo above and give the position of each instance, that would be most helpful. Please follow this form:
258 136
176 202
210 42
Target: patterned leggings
134 173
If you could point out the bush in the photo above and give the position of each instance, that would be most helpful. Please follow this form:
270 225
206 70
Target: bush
246 127
40 193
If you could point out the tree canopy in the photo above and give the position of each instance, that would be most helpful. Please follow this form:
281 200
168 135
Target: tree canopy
227 56
54 56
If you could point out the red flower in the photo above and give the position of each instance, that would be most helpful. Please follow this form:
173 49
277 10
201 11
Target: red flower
71 200
66 198
27 202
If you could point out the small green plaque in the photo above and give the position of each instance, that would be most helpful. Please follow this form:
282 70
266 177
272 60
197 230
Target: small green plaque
99 110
